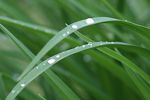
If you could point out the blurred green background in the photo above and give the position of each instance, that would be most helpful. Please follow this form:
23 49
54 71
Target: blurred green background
87 74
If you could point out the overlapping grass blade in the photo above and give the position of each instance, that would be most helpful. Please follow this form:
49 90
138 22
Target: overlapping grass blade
76 26
120 58
142 86
35 72
139 82
60 84
116 70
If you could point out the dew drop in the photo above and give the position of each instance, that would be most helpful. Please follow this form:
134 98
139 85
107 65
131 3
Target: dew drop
13 91
22 85
83 46
74 26
51 61
68 32
57 56
90 44
89 21
64 34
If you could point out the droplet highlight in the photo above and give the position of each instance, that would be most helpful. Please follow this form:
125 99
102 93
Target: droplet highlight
74 26
51 61
22 85
89 21
57 56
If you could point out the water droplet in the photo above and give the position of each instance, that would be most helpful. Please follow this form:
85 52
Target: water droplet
89 21
68 32
22 85
74 26
37 67
83 46
64 34
13 91
51 61
90 44
57 56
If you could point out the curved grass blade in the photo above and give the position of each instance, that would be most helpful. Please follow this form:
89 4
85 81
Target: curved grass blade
142 86
67 91
138 81
120 58
35 72
116 70
25 25
17 42
74 27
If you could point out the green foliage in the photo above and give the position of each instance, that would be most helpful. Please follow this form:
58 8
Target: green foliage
107 58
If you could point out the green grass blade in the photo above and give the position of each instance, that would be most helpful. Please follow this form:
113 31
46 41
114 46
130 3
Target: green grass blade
24 25
72 28
62 86
142 86
2 88
120 58
35 72
69 93
17 42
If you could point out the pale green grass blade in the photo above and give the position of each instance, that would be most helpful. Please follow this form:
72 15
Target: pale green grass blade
67 91
120 58
74 27
51 61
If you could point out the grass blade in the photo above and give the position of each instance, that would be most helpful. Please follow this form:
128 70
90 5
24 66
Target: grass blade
72 28
35 72
67 91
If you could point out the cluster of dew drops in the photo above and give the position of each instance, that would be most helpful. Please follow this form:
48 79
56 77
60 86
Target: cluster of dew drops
88 21
53 60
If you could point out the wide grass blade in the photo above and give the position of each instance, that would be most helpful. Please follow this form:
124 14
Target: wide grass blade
120 58
56 80
35 72
74 27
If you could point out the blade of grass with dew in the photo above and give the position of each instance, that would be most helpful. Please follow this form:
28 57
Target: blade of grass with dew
72 28
56 80
120 58
35 72
32 27
26 94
